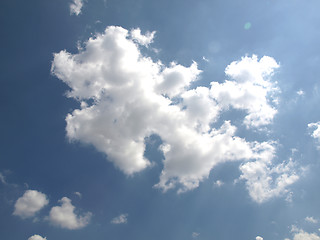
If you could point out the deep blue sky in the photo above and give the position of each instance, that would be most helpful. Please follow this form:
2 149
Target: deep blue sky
36 154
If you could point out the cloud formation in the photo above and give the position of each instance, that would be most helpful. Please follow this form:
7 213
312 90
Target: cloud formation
259 238
126 97
311 220
121 219
315 127
75 7
30 203
37 237
266 180
299 234
64 216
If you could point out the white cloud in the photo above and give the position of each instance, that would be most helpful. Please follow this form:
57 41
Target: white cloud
141 39
126 97
37 237
218 183
259 238
316 130
311 220
75 7
121 219
64 216
30 203
266 180
300 92
299 234
250 89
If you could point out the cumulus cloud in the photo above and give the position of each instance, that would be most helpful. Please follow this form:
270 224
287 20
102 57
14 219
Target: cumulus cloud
64 216
121 219
299 234
265 179
37 237
143 40
250 89
315 127
75 7
125 97
259 238
30 203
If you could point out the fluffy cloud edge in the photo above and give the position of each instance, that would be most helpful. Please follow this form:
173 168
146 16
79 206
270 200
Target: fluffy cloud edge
64 216
37 237
30 203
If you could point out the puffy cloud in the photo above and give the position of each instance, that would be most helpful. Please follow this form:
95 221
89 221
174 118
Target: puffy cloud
143 40
311 220
65 217
75 7
250 89
126 97
299 234
37 237
266 180
123 218
316 130
259 238
30 203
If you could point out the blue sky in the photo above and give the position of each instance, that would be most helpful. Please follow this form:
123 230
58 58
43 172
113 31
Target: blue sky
159 120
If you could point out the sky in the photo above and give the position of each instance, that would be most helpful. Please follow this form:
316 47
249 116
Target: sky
152 120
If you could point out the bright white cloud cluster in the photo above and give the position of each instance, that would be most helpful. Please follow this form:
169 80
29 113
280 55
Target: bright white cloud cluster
121 219
126 97
30 203
250 90
37 237
259 238
76 6
65 217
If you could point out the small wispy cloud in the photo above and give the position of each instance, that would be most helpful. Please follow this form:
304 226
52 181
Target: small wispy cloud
75 7
195 235
121 219
311 220
300 92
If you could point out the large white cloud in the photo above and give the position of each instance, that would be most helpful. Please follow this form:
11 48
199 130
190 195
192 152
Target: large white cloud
37 237
64 216
126 96
30 203
76 6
